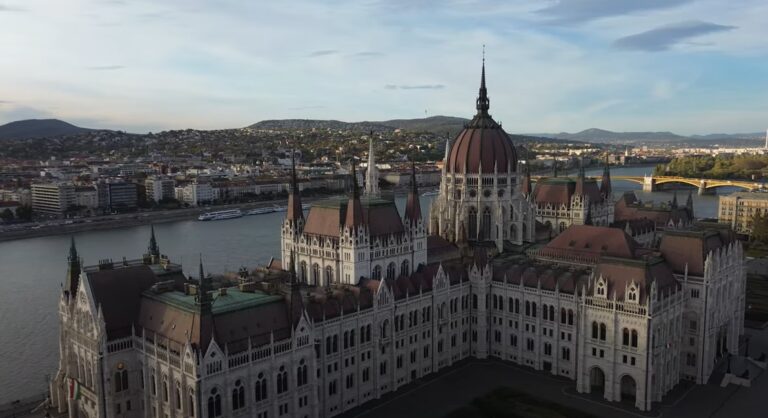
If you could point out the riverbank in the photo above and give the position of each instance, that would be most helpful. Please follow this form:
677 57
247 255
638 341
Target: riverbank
129 220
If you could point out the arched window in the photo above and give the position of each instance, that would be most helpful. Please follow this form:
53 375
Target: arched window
368 332
634 338
472 224
513 232
303 271
632 294
260 387
487 224
533 309
301 374
121 380
527 308
165 388
594 330
602 332
562 316
315 274
214 404
562 226
391 271
570 316
551 313
153 383
177 396
191 403
328 275
474 301
511 213
376 272
517 306
625 337
352 338
544 312
385 328
282 380
405 268
238 395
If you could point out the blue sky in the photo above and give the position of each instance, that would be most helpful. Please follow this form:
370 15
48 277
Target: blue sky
688 66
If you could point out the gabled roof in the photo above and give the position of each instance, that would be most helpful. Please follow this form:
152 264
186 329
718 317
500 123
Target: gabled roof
690 247
620 272
590 242
326 218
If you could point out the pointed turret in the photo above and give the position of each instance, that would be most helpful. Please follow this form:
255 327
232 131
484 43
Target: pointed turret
203 298
689 204
354 216
580 182
73 269
483 104
296 302
554 167
153 249
526 189
605 184
413 206
372 174
673 205
295 212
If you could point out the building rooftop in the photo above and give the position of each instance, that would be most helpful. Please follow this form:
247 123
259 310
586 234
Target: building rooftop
224 300
748 195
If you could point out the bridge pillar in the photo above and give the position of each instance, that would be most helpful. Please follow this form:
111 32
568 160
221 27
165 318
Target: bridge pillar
703 188
649 184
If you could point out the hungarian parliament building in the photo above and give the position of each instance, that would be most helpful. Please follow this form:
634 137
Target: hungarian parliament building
366 299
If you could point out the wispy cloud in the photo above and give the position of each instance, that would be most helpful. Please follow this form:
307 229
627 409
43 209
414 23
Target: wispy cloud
106 67
367 54
414 86
323 52
5 8
578 11
663 37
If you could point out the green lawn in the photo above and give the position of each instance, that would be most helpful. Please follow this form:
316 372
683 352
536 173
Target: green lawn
509 403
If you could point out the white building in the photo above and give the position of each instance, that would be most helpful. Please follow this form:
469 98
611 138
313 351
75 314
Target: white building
139 338
159 188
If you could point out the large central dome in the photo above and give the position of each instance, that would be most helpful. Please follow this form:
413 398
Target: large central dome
482 144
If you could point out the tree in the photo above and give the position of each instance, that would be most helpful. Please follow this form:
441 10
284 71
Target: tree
7 215
24 212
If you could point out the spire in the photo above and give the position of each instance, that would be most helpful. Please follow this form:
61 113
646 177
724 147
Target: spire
413 206
296 302
605 184
674 200
483 104
689 204
295 212
527 188
554 167
372 174
354 215
203 298
580 181
153 249
73 269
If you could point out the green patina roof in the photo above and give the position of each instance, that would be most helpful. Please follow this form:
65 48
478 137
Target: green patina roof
233 300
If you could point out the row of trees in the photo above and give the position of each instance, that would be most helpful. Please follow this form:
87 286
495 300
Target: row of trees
746 167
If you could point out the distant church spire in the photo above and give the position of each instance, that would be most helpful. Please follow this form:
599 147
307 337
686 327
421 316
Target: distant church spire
372 174
203 298
413 206
73 270
354 216
295 212
605 184
483 104
674 200
153 249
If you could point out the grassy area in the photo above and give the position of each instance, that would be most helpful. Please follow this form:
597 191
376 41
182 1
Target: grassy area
505 402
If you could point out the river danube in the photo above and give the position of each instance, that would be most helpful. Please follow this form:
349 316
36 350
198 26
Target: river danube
32 271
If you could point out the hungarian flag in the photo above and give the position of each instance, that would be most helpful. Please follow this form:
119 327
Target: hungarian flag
74 389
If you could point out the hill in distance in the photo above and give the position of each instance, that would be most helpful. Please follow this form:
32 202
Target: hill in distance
437 124
38 128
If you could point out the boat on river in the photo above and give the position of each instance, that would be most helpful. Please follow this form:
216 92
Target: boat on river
220 215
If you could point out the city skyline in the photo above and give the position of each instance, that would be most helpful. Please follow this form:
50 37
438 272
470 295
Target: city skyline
690 67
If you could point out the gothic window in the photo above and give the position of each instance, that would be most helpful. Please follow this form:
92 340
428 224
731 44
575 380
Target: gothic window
551 313
570 316
600 288
121 380
562 315
632 294
634 338
376 272
385 328
405 268
238 395
301 374
315 274
486 224
472 223
391 271
261 388
511 213
303 271
191 403
625 337
602 332
282 380
562 226
214 404
177 396
165 388
328 275
513 232
594 330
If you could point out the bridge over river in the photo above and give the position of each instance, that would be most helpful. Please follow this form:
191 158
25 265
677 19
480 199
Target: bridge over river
705 186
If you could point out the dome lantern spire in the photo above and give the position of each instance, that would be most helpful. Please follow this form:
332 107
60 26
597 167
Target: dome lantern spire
483 104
